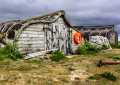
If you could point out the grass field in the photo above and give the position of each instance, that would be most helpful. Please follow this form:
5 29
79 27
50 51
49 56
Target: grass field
74 71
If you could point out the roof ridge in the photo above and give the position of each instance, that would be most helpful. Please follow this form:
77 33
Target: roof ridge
61 11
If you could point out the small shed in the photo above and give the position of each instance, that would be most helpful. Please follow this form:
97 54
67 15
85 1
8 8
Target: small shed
105 31
43 33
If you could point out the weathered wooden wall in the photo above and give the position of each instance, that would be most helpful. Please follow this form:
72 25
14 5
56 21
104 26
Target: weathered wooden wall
31 39
48 32
58 36
47 36
39 37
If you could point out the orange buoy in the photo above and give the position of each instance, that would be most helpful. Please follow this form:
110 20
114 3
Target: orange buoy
77 38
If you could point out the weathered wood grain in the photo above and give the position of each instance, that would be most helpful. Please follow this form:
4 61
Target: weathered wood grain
56 35
32 46
33 32
30 43
24 39
36 26
31 39
31 49
30 35
34 29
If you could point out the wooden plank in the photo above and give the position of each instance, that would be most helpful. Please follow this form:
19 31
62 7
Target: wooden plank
32 46
33 29
39 25
30 43
33 32
36 25
30 49
27 52
32 25
27 43
28 35
30 38
25 34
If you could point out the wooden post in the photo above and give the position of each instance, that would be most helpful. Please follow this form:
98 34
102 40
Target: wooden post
58 44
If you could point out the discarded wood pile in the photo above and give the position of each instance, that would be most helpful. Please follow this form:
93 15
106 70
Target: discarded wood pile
39 55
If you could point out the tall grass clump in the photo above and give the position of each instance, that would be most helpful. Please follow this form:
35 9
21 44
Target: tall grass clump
106 75
114 45
87 49
57 56
109 76
95 76
9 52
104 47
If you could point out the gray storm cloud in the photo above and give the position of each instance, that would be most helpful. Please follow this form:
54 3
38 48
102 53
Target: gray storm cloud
78 12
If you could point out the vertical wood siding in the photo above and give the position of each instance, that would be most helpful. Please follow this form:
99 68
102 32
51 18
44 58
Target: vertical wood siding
58 36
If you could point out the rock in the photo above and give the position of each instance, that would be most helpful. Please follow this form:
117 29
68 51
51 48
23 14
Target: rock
54 79
99 41
2 45
20 75
70 56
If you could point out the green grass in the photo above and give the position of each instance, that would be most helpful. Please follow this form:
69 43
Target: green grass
25 68
109 76
117 58
104 47
96 76
71 69
9 52
87 49
115 46
65 80
34 61
58 56
106 75
3 63
118 42
114 57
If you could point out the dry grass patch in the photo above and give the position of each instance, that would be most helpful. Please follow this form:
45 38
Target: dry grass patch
74 71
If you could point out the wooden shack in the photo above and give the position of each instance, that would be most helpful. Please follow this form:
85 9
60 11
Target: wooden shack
105 31
47 32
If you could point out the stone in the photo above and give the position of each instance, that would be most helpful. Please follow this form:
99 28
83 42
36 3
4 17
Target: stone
2 45
99 41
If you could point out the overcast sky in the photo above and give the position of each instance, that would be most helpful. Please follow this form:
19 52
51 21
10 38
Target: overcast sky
78 12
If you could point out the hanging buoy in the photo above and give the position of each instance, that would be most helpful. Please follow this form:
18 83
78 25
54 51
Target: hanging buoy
77 38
